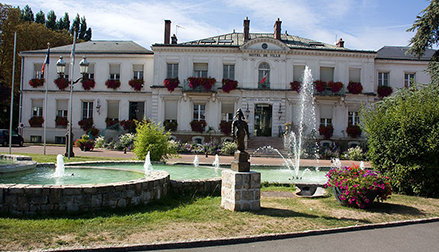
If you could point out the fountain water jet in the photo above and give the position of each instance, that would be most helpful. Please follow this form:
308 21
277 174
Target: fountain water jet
196 162
59 168
147 166
216 163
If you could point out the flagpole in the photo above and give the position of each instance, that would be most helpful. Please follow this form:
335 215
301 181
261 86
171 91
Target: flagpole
72 56
46 62
12 93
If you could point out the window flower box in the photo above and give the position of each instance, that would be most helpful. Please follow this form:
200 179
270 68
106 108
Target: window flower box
225 127
170 125
353 131
198 126
114 84
62 83
171 83
36 121
229 85
93 132
326 131
61 122
37 82
88 84
128 125
86 124
355 87
137 84
384 91
295 86
207 83
320 85
335 87
112 123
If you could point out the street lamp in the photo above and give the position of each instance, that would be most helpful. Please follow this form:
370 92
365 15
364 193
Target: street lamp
60 69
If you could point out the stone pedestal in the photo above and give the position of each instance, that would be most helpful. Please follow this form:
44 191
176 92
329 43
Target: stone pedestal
241 163
241 191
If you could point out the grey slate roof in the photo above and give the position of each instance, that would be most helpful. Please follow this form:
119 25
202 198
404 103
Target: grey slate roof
97 47
399 53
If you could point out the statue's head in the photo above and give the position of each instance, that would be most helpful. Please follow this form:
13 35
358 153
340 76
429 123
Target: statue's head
239 114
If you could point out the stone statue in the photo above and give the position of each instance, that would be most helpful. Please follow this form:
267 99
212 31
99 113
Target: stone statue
240 130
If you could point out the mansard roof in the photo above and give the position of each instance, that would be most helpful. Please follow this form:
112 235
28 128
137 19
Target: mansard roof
400 53
97 47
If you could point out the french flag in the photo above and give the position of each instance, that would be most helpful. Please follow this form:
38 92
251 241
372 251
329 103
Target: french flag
46 60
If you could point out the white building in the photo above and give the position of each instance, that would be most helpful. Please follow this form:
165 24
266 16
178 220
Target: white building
246 57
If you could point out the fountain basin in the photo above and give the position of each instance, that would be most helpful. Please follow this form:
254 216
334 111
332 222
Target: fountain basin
12 164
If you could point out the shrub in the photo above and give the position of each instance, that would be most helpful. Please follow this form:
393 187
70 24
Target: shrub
151 137
355 154
84 143
100 142
125 141
403 133
229 148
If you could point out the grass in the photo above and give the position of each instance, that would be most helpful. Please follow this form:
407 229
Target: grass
51 158
199 217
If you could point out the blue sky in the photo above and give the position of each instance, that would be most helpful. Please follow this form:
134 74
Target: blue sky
363 24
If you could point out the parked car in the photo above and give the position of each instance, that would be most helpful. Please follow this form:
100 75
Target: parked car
4 138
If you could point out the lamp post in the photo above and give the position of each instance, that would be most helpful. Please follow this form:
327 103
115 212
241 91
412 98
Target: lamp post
60 69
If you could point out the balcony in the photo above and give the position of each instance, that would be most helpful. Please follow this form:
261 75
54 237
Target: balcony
200 85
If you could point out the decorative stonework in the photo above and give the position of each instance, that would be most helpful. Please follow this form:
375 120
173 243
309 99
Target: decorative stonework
241 191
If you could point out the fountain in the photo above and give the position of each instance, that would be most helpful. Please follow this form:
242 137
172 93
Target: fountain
216 163
147 166
59 167
196 162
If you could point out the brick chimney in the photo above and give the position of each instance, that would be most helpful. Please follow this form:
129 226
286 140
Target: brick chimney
277 29
167 32
246 29
340 43
174 39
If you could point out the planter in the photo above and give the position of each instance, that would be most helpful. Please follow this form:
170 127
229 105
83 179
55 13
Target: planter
207 83
295 86
36 82
353 131
137 84
355 87
370 196
62 83
384 91
114 84
88 84
36 121
229 85
171 83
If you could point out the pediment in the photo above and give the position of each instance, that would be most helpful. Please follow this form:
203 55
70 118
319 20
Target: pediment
265 44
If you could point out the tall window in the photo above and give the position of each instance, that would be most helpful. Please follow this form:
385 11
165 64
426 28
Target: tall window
353 118
383 79
199 112
325 116
355 74
91 71
228 71
200 69
298 73
87 110
172 70
138 72
171 111
264 75
327 74
61 108
113 110
37 71
227 112
409 79
37 107
114 72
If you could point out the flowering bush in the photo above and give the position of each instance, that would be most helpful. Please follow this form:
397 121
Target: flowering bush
93 132
229 85
384 91
170 125
62 83
355 87
225 127
353 131
86 124
335 86
295 86
61 121
207 83
355 154
36 121
84 143
326 131
114 84
88 84
137 84
38 82
128 125
356 185
171 83
198 126
320 85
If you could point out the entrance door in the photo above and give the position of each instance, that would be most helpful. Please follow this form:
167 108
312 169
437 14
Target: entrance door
136 110
263 115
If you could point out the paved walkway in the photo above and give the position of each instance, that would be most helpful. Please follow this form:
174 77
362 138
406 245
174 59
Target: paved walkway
104 153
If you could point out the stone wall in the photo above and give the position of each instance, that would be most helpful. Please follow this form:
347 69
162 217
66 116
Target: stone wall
202 186
18 199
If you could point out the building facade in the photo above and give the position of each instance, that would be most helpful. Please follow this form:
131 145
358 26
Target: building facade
200 84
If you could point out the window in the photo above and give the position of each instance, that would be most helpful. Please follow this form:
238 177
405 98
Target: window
60 139
264 75
229 72
113 110
66 72
37 107
87 110
136 110
199 112
325 116
138 72
91 71
172 70
171 111
61 108
114 72
298 73
227 112
200 70
355 74
353 118
327 74
37 71
383 79
409 79
35 139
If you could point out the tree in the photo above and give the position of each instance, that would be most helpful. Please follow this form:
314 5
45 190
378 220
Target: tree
427 36
40 17
66 22
83 28
27 14
51 20
403 133
75 25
